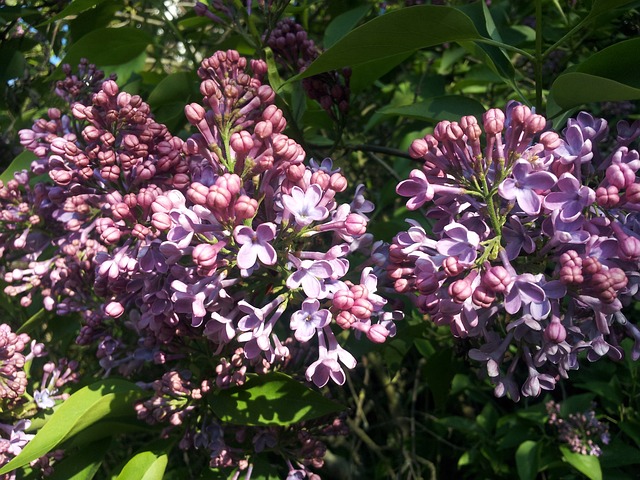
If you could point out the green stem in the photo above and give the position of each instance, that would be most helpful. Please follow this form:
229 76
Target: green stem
505 46
539 56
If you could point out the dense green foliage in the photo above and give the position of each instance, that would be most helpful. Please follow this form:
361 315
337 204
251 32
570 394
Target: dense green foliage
415 406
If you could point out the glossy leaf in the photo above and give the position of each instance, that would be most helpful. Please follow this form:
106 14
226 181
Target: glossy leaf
109 46
168 98
342 24
527 460
107 398
74 8
148 465
492 56
446 107
21 162
588 465
271 399
397 32
603 77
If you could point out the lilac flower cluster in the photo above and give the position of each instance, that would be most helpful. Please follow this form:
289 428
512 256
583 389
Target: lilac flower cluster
533 244
295 50
225 247
583 432
17 404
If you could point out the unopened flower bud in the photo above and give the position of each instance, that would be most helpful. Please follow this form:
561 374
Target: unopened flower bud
555 332
377 333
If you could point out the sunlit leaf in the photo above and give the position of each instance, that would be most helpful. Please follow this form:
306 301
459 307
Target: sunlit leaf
271 399
109 46
401 31
527 460
588 465
147 465
21 162
107 398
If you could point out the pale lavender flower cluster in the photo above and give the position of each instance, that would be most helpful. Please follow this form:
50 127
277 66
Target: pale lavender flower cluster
583 432
17 404
225 247
532 247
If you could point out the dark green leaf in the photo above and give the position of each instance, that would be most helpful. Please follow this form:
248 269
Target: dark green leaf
363 75
438 373
618 454
21 162
344 23
604 6
612 74
82 464
271 399
181 86
107 398
493 57
397 32
168 98
74 8
446 107
527 460
588 465
109 46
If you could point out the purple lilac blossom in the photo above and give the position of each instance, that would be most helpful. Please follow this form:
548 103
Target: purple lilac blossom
225 250
557 259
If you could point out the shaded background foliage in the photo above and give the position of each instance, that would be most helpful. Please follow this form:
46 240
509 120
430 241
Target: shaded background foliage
417 408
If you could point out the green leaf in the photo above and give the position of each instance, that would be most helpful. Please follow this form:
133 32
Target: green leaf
125 70
107 398
397 32
271 399
33 321
74 8
446 107
343 23
83 464
527 460
604 6
108 46
21 162
363 75
171 94
438 373
588 465
147 465
275 81
612 74
491 55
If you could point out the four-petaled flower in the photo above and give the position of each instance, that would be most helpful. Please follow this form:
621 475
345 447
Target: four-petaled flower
306 321
305 205
255 245
524 186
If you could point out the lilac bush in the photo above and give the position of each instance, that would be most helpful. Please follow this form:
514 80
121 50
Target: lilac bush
225 249
532 245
